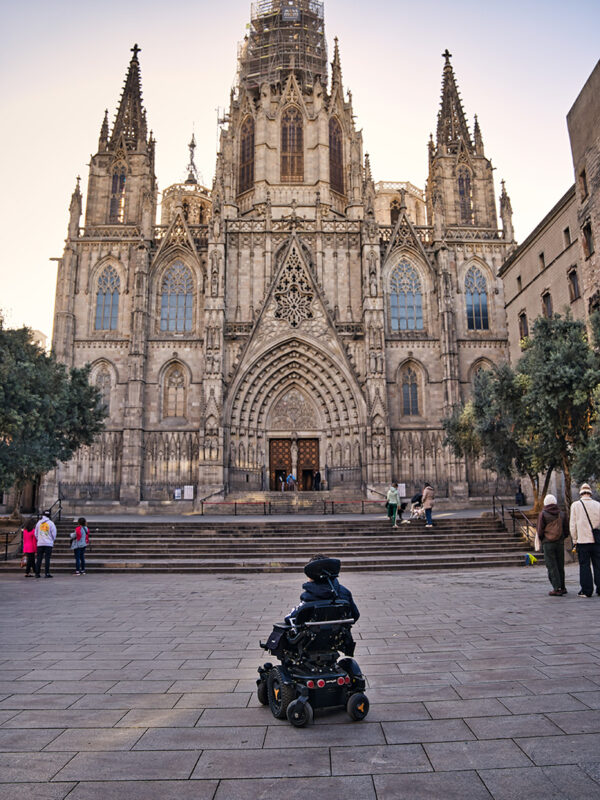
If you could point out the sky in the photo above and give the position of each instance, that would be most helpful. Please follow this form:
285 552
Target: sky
519 67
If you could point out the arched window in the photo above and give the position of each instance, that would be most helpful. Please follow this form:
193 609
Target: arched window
465 196
410 393
336 156
117 195
406 298
174 392
177 299
103 384
394 212
246 174
292 146
476 297
107 300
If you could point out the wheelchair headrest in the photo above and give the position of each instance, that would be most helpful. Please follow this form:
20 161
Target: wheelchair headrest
320 569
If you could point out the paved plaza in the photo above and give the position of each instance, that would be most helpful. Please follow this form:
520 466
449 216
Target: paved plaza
142 686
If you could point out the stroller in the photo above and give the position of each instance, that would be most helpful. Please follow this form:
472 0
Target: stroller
416 507
311 674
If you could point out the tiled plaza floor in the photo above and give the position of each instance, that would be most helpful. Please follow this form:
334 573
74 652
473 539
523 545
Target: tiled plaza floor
142 686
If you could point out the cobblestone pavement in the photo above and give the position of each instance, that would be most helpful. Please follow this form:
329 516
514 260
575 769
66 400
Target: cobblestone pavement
142 686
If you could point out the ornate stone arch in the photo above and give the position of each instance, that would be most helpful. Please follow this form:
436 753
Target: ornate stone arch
176 259
292 144
104 376
101 277
477 284
174 387
412 379
398 284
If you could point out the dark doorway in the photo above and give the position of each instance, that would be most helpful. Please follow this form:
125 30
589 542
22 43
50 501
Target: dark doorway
308 462
280 462
307 480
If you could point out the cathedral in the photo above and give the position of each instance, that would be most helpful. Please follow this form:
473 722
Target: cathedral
297 317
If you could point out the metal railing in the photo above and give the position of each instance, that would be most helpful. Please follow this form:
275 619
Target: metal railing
269 507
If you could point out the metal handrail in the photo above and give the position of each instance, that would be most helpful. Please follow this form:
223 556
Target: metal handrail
59 504
495 511
513 513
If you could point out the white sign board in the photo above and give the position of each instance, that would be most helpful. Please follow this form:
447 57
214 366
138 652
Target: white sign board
177 494
401 490
188 492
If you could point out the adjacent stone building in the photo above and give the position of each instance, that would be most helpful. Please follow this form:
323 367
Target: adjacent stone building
297 317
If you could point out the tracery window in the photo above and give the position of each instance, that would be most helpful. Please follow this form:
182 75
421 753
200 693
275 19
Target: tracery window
476 298
410 393
246 167
117 195
336 156
293 293
465 196
406 298
292 146
107 300
174 392
103 384
177 299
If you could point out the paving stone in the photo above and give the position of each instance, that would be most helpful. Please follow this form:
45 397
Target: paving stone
513 725
577 721
569 749
475 755
20 740
558 686
66 687
449 709
426 731
212 700
39 701
126 701
349 788
447 785
591 699
144 790
39 791
355 735
23 768
64 719
288 762
131 766
537 783
225 738
470 691
542 704
257 715
372 760
95 739
159 718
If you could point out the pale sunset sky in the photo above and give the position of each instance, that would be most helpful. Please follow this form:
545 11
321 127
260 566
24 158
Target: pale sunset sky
519 67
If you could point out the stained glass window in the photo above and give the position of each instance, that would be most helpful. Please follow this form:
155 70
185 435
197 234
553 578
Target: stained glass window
465 196
292 146
107 300
476 298
406 298
174 392
336 156
177 299
117 195
410 393
246 173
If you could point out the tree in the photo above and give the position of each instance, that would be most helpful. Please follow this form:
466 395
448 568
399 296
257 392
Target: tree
46 411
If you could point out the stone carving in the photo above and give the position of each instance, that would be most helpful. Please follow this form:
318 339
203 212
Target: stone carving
293 412
293 293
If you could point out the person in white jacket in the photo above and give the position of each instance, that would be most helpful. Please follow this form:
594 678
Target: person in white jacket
585 515
45 534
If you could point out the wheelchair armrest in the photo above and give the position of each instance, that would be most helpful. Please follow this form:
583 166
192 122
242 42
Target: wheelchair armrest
332 622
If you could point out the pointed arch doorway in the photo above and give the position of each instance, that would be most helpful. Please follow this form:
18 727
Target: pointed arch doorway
300 457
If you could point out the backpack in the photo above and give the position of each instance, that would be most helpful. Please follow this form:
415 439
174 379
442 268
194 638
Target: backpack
553 530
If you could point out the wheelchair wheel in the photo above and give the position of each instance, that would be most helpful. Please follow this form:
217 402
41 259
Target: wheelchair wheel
262 693
358 706
299 713
280 695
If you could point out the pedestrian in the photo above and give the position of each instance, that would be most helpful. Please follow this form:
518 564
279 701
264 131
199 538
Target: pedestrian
317 481
291 481
585 532
80 538
428 500
392 504
45 534
552 530
29 546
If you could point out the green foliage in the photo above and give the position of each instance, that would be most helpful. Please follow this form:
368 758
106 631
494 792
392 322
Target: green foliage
46 411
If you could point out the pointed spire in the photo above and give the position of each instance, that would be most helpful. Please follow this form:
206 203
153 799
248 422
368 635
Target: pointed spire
191 167
336 67
403 205
75 210
478 138
506 214
131 116
452 125
368 173
103 140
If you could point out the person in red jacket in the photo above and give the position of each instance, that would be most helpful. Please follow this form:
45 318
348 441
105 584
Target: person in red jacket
80 538
29 546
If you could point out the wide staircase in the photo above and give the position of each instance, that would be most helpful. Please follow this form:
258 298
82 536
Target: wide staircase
268 545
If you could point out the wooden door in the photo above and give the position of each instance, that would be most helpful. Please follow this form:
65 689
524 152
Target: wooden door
280 460
308 462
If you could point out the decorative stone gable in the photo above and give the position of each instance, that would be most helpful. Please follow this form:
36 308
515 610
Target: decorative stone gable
293 294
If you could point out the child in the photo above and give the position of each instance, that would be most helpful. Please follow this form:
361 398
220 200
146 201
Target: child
29 546
80 540
324 585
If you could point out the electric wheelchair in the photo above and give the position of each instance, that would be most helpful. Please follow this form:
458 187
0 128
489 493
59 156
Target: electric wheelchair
310 674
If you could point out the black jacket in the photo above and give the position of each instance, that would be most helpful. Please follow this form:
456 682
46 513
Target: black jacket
322 591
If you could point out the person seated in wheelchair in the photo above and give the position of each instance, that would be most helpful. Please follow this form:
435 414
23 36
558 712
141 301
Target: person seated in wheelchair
308 645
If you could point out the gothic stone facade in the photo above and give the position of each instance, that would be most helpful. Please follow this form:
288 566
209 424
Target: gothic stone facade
298 316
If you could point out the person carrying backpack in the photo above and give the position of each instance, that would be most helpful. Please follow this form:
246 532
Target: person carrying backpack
80 538
552 530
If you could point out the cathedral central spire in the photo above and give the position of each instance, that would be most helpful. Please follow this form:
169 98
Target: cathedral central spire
452 126
131 116
285 36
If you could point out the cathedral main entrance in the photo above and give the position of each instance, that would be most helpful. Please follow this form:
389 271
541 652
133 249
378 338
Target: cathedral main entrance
298 456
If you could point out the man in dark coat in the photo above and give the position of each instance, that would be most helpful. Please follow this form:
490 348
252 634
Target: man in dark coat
552 530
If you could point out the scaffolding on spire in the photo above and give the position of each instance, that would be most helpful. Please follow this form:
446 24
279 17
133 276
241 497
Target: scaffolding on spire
285 36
